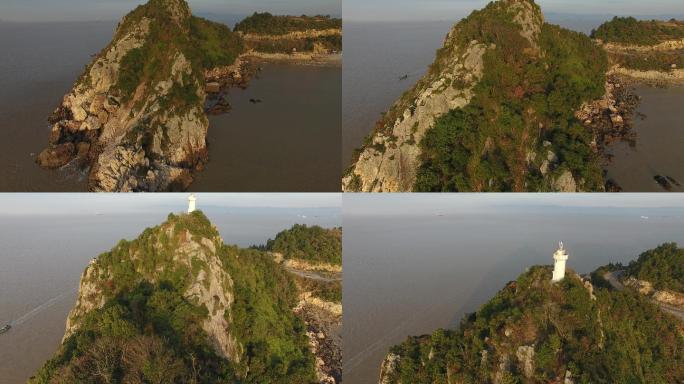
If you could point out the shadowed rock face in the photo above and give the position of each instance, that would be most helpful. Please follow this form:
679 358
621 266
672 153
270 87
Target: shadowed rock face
138 136
390 162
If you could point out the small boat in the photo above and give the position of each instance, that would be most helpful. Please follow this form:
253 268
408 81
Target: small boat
403 77
5 328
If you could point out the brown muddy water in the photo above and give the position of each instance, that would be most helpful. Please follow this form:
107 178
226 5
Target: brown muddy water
42 258
39 64
417 262
289 142
659 146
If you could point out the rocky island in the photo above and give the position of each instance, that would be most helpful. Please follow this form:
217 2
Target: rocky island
136 118
581 329
648 51
512 103
177 305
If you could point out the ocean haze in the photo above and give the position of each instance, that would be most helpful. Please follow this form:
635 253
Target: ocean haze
91 10
430 10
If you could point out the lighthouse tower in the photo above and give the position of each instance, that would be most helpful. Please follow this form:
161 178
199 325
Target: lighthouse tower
191 203
559 259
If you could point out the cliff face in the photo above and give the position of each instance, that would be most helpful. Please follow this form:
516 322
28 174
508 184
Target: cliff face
501 56
390 161
536 331
168 250
136 115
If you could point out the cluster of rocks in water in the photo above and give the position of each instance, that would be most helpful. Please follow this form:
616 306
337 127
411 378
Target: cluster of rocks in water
323 322
219 80
611 118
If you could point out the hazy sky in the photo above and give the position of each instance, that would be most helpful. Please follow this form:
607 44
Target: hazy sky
77 10
454 203
389 10
90 203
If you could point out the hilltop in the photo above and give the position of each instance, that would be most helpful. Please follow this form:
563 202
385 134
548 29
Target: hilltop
178 305
536 331
495 112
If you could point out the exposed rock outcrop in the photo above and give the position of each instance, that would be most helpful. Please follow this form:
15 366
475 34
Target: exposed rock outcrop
667 297
388 368
389 163
324 322
145 137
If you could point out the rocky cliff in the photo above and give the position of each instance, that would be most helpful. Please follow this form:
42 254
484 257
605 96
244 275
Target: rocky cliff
499 57
175 251
136 115
536 331
219 313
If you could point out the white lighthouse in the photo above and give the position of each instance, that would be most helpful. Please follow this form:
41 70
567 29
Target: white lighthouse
191 203
559 259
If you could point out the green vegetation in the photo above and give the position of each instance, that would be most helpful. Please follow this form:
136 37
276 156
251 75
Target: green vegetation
662 266
523 99
619 337
204 43
628 30
268 24
314 244
131 70
646 61
148 331
274 339
148 334
217 44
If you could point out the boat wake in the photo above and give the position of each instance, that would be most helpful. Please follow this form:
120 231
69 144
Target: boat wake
35 311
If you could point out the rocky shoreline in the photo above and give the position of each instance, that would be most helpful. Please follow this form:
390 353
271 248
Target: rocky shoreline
611 118
238 75
324 322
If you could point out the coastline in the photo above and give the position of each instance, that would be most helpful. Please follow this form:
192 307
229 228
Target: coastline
305 58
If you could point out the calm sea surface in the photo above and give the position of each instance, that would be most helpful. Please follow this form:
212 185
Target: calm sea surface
288 142
42 258
378 54
411 274
659 143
